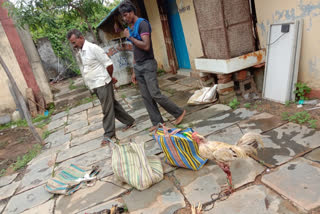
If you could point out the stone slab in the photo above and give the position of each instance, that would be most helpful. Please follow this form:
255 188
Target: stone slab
114 180
87 159
76 125
88 197
81 116
138 128
150 145
59 115
162 197
2 206
37 173
27 200
200 185
57 123
96 102
104 206
9 190
88 137
222 120
5 180
314 155
297 180
86 130
253 200
79 150
94 111
229 135
57 138
52 152
95 118
46 208
105 167
285 142
80 108
204 114
261 123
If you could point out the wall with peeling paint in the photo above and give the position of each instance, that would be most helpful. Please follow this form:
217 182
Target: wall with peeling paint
275 11
7 103
158 43
190 28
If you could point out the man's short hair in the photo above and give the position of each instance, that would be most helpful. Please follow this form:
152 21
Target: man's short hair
126 7
75 32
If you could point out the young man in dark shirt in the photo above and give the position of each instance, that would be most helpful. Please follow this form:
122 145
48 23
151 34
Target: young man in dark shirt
145 66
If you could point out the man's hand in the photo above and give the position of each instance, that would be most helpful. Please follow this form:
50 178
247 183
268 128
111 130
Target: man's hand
126 33
114 80
133 78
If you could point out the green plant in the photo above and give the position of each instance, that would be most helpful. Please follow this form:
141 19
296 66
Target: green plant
285 116
300 117
24 160
71 85
161 71
2 172
287 103
234 103
312 124
301 90
247 105
46 134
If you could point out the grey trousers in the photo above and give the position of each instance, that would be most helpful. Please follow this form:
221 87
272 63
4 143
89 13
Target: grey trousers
146 75
111 109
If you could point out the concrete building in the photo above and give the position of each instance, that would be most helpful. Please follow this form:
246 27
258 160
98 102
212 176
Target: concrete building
186 30
20 55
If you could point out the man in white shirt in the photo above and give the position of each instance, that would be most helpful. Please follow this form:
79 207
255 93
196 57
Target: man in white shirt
97 75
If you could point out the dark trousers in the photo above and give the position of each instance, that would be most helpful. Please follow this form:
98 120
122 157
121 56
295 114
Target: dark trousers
111 109
146 75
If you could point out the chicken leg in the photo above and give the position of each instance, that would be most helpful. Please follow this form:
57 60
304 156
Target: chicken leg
226 168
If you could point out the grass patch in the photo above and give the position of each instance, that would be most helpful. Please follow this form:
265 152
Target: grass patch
247 105
161 72
71 85
46 134
234 104
302 117
2 172
25 159
19 123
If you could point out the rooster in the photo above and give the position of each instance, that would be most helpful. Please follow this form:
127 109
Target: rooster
223 153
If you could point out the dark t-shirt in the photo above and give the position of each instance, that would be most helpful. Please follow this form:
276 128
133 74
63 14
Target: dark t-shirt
139 54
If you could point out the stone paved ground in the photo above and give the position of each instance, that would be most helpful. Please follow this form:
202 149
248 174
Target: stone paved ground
284 179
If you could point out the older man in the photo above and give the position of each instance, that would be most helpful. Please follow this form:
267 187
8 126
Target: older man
97 71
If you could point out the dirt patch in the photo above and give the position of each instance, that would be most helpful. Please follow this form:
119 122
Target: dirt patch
278 109
13 143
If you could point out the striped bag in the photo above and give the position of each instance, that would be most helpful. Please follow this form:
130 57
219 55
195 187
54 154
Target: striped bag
179 148
131 165
71 179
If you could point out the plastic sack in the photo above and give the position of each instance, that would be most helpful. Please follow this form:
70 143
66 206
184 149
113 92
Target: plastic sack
131 165
203 96
179 148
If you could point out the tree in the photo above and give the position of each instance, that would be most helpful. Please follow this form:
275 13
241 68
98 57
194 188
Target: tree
54 18
41 14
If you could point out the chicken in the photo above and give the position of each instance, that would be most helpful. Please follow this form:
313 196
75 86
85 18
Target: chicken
223 153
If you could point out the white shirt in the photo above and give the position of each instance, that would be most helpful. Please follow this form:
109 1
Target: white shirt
94 61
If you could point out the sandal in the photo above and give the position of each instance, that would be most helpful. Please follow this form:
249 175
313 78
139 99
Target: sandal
106 141
129 126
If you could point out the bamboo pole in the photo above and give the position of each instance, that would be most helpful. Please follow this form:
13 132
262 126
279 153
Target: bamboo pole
21 102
